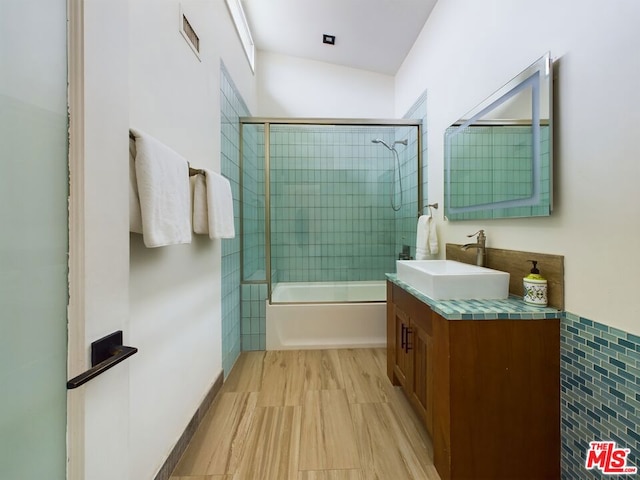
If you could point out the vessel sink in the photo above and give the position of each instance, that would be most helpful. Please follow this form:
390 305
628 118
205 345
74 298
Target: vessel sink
451 280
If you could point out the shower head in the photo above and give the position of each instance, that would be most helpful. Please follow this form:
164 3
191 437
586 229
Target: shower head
378 140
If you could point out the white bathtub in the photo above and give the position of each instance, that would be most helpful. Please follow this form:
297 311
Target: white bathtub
319 315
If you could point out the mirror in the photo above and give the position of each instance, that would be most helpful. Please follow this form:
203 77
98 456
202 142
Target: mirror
498 157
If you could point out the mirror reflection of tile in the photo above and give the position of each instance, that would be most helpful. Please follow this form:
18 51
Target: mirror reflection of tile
498 157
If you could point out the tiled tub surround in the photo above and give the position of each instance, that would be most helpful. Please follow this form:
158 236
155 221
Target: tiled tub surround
253 316
600 393
330 206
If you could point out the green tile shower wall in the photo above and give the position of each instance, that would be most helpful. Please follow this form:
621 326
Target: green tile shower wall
253 316
254 295
331 216
253 202
231 108
600 392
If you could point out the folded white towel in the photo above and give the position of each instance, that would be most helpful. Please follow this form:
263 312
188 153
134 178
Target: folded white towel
135 217
426 237
212 205
422 237
162 178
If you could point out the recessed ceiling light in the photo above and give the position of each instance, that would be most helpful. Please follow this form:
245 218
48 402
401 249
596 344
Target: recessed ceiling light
329 39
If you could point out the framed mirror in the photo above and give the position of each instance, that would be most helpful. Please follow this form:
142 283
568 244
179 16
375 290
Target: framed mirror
498 156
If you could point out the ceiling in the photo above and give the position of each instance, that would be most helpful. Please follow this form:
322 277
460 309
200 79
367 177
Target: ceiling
373 35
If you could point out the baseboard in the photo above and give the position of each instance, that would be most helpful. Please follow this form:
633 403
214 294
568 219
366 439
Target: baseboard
178 450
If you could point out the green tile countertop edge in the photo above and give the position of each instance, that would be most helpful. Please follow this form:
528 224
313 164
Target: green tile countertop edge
512 308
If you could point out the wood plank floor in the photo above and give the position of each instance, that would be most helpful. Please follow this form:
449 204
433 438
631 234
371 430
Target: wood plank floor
309 415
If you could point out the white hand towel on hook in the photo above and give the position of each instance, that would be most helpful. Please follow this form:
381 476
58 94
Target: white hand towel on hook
426 237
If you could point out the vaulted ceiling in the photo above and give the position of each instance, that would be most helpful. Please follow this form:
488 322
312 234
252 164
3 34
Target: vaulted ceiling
373 35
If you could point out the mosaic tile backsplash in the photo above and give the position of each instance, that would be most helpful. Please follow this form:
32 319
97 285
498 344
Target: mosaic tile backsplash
600 393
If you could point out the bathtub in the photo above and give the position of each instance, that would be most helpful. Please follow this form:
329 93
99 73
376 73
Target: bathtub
317 315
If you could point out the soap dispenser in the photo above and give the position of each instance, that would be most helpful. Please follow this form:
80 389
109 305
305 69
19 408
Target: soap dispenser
535 287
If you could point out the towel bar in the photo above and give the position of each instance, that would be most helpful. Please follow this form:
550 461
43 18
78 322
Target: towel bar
192 171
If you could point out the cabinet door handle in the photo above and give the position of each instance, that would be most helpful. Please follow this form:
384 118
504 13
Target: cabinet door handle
403 337
408 346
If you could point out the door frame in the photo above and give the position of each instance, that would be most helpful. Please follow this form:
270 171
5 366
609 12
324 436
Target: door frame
98 415
77 360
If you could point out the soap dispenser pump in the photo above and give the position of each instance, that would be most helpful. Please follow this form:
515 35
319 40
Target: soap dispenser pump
535 287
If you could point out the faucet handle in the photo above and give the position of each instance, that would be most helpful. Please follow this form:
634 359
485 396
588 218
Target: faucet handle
480 233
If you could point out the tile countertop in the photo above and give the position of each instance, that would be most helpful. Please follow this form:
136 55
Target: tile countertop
512 308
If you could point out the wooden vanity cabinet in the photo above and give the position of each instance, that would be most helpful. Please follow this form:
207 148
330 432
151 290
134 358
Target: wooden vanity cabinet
488 391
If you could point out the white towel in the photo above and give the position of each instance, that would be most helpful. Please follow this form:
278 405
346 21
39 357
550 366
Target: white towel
135 217
162 179
212 205
426 237
433 237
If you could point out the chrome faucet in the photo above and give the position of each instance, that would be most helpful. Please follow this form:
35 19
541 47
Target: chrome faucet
480 247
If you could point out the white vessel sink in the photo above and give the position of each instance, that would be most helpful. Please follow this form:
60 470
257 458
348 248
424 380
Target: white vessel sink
451 280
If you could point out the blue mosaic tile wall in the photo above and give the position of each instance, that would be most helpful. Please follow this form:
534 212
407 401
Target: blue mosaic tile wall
232 107
600 393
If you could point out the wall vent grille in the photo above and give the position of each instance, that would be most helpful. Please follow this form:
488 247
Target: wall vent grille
189 34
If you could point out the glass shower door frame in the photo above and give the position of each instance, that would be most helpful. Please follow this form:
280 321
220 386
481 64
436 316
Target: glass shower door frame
267 123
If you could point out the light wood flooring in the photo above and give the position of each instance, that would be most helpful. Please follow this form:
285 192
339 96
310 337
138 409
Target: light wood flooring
309 415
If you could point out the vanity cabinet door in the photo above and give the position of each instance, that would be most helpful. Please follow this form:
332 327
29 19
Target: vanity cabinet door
422 391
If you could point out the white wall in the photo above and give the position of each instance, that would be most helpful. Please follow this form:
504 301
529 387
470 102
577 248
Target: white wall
468 49
295 87
175 291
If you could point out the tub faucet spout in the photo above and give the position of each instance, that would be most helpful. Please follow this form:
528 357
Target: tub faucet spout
480 247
